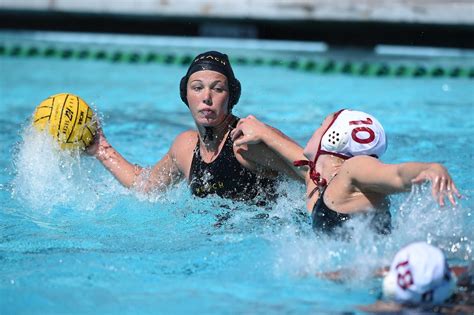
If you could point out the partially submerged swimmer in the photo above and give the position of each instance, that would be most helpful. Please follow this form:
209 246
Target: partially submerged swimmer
420 277
206 158
344 175
419 273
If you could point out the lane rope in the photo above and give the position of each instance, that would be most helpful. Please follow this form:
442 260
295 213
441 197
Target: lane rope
322 65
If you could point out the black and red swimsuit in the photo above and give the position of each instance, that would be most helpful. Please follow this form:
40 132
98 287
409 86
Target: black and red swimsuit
327 220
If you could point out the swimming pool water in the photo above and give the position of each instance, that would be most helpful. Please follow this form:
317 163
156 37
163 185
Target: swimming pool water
72 240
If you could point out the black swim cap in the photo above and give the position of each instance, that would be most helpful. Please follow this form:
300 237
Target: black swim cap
215 61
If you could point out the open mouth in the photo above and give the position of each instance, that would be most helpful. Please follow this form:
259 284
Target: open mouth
207 113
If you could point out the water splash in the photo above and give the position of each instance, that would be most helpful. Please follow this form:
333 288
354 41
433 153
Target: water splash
48 178
420 218
415 217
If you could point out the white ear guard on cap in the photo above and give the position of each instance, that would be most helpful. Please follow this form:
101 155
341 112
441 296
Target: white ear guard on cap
355 133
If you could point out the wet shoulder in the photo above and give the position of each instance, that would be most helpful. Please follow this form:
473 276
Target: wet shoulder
352 170
359 163
182 149
187 138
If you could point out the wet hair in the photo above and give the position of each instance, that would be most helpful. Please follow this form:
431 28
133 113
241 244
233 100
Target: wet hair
215 61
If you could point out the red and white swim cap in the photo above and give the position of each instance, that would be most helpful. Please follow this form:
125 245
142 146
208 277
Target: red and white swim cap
350 133
419 273
354 133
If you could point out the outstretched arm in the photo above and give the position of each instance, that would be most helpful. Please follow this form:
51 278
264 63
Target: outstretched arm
124 171
368 173
163 174
128 174
251 131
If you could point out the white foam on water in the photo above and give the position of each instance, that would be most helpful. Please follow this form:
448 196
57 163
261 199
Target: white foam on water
419 217
175 193
415 217
47 177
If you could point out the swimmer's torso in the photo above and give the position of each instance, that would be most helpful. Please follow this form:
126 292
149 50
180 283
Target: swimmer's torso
226 177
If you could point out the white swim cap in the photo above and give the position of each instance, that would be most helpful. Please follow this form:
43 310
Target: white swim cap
419 274
354 133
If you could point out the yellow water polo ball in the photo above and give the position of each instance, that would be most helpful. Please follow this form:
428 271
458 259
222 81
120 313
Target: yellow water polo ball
68 119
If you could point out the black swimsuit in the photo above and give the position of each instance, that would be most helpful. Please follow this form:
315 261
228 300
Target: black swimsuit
327 220
226 177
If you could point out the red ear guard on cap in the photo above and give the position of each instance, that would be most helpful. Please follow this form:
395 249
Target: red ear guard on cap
214 61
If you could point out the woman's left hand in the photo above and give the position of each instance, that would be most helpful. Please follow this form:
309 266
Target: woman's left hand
442 185
249 130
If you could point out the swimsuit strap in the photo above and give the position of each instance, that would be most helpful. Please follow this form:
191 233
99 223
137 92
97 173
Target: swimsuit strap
330 181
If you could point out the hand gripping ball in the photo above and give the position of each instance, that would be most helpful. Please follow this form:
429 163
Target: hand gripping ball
68 119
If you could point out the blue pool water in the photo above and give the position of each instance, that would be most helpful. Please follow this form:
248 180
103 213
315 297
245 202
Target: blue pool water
73 241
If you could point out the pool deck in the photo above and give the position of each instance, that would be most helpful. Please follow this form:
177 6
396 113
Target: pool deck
401 11
366 23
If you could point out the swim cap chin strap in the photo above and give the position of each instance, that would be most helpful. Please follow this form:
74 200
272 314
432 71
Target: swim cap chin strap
349 134
315 176
209 131
208 134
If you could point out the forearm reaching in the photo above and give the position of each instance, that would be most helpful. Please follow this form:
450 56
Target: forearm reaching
442 185
124 171
252 131
369 174
163 174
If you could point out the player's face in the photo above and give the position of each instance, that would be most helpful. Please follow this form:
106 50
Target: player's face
208 97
